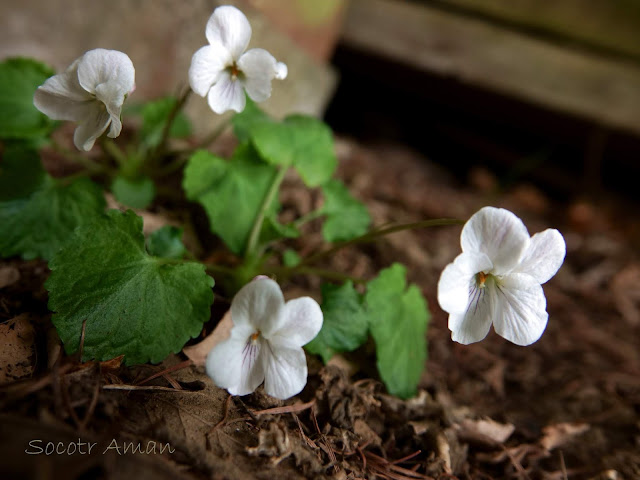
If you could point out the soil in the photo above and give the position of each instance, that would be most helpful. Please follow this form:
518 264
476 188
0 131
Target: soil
567 407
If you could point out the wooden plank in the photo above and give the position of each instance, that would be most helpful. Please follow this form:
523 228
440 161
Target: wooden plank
603 90
601 24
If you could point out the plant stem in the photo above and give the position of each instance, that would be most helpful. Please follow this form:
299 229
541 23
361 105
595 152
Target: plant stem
370 236
211 267
319 272
213 136
91 167
308 217
173 114
252 243
113 151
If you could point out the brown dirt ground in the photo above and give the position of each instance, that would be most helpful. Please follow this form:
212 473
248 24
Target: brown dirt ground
566 407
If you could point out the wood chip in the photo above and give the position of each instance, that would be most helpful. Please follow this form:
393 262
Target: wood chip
560 434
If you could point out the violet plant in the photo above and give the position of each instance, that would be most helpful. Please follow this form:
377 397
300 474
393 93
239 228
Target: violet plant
115 292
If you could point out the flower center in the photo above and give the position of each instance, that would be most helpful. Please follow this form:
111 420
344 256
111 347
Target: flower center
234 71
254 336
481 278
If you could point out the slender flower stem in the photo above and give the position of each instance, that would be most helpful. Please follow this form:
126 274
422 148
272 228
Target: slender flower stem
173 114
171 167
113 151
214 268
205 142
252 243
370 236
215 133
287 272
92 167
308 217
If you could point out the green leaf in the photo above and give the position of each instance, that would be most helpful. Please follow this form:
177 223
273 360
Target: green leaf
399 318
273 230
166 242
19 118
345 321
231 192
347 217
133 304
302 142
155 115
290 258
134 192
245 121
21 172
37 212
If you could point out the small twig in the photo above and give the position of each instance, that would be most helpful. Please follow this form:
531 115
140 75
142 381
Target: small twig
137 388
382 466
253 417
179 366
225 415
408 457
173 382
517 465
295 408
81 349
307 440
363 457
92 405
563 466
67 402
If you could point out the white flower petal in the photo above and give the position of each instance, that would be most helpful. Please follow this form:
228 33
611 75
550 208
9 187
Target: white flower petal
474 324
259 67
544 256
281 71
62 98
207 64
301 321
521 314
285 371
258 304
453 286
91 127
237 364
499 234
229 27
61 108
226 94
106 66
109 95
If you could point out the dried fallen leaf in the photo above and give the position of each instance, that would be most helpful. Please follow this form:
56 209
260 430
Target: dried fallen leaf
18 349
485 431
198 353
559 434
366 433
8 276
272 442
625 287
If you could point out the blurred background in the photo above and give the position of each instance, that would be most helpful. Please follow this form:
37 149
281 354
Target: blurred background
543 90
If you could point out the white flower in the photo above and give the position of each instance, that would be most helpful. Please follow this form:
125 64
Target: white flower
497 279
266 342
224 70
91 92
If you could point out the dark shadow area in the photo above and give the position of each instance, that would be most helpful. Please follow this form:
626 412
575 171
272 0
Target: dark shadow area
461 125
